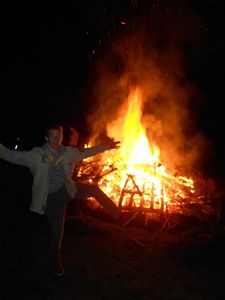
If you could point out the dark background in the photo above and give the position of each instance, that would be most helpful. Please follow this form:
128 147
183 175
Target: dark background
49 50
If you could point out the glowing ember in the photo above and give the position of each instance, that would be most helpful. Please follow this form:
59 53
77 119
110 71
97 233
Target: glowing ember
133 175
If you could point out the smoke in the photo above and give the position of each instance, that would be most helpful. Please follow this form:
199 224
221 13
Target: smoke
153 56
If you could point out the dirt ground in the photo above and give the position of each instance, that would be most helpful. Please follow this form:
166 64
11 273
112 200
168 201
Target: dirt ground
103 260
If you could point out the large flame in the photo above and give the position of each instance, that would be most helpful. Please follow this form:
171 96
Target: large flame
133 175
135 148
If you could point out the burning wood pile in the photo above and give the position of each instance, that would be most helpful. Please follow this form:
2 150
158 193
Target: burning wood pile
177 194
135 179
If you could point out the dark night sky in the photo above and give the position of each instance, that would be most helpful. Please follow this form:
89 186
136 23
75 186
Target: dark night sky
47 53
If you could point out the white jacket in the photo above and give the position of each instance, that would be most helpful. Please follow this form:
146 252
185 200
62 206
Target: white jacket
38 161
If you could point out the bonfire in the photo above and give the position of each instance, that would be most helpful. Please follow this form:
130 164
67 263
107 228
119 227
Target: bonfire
134 177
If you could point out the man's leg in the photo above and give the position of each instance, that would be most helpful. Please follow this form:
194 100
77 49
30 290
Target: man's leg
55 213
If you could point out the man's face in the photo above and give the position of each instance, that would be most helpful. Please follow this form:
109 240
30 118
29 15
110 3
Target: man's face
54 138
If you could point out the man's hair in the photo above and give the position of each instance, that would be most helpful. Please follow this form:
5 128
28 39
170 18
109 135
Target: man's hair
53 126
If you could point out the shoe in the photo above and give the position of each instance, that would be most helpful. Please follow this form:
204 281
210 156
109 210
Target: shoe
127 217
58 269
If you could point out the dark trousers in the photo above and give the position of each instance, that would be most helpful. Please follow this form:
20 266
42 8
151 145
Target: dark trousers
55 213
56 209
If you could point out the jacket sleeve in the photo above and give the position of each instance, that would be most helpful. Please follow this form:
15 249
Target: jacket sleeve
87 152
24 158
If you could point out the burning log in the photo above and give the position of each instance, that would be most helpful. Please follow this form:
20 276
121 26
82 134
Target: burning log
92 171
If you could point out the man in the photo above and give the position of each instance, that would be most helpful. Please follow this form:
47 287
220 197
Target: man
53 188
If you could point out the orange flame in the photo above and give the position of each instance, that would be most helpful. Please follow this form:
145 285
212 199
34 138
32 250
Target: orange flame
138 178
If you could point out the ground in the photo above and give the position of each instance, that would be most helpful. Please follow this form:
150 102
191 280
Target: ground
104 260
